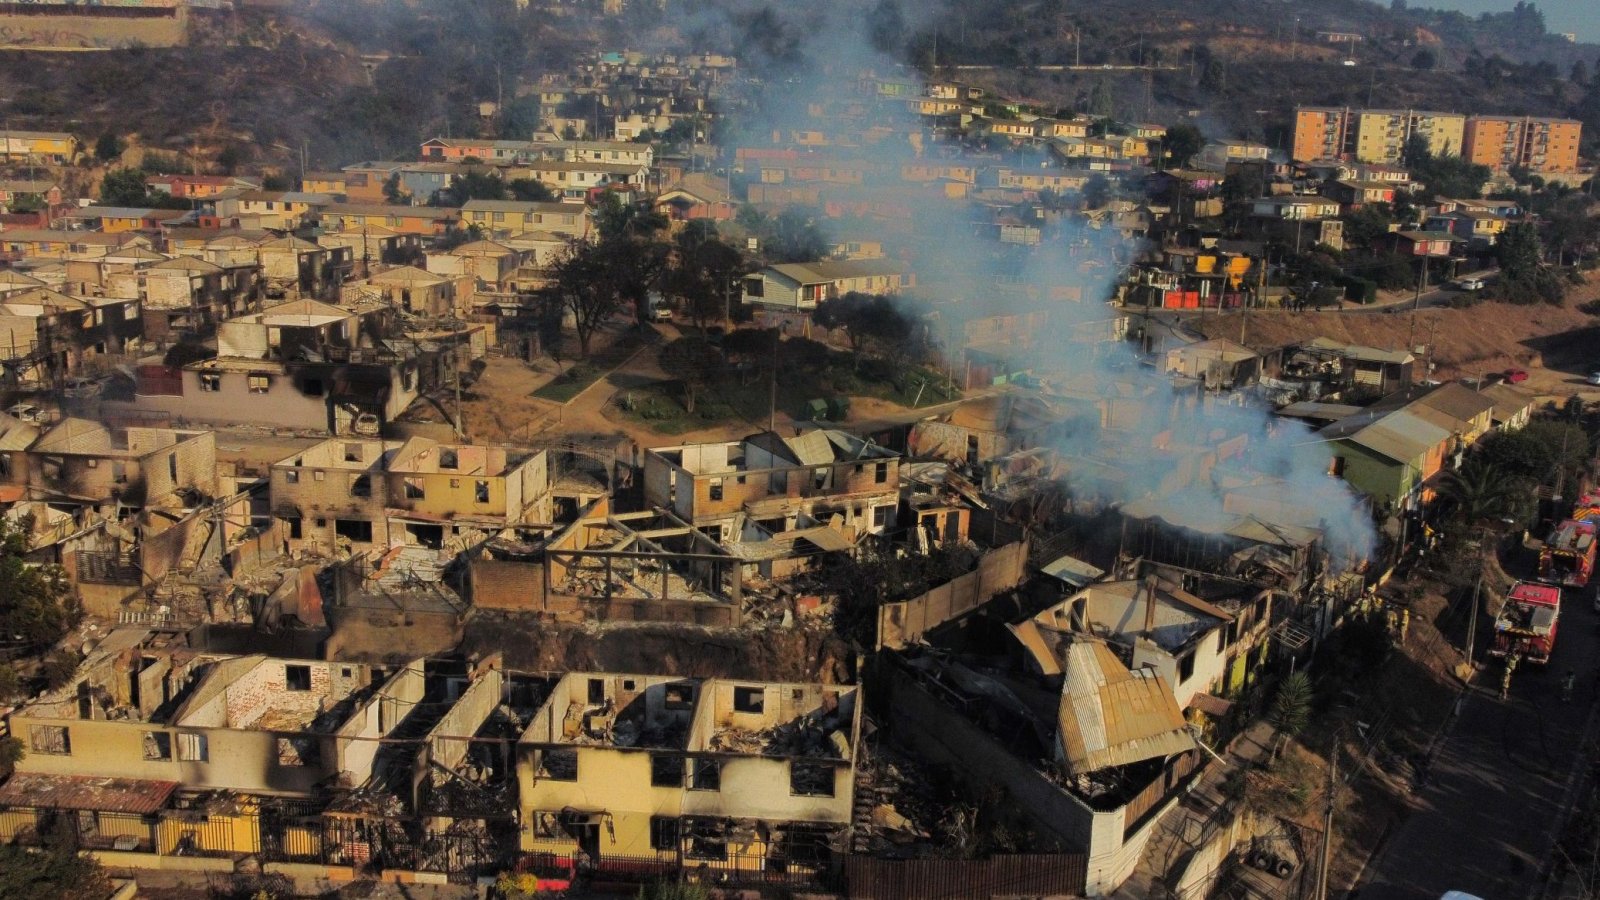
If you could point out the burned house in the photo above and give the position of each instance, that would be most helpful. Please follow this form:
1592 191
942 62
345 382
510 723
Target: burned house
777 484
185 296
146 709
291 266
643 566
1089 750
355 495
47 337
751 775
301 365
88 464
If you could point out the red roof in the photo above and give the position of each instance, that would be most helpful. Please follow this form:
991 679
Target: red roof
130 795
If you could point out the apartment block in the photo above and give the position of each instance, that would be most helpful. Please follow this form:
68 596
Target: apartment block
1322 133
1372 135
1539 145
1382 134
759 774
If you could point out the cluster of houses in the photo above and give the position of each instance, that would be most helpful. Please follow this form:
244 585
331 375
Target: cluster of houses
322 663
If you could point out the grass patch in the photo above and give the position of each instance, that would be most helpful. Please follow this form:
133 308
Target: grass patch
747 397
570 383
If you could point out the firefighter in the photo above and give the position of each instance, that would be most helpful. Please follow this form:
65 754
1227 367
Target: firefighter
1505 677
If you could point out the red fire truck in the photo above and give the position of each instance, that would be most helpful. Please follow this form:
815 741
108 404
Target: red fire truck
1527 622
1568 555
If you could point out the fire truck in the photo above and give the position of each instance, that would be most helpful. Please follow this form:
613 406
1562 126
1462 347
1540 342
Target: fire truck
1568 555
1527 622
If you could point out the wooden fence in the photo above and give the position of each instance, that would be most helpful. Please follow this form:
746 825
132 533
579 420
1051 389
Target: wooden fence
903 623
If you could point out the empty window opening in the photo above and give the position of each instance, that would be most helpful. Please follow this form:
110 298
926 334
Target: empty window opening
597 690
480 491
361 486
210 382
157 745
666 771
560 764
193 748
749 699
705 775
447 459
663 833
810 779
353 530
297 678
716 489
50 740
352 453
414 489
679 696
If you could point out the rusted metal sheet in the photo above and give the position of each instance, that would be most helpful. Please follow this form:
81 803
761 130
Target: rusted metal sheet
1030 875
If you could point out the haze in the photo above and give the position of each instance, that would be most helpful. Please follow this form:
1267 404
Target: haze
1579 16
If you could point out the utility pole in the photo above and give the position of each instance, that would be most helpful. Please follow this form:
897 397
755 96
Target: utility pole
1472 614
1327 823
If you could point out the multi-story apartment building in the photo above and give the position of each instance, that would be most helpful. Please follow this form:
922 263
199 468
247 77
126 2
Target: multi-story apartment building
1536 144
1372 135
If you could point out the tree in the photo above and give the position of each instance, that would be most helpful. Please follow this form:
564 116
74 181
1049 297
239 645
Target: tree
581 284
1524 277
1183 142
1480 493
393 192
1291 708
1579 74
614 218
1544 452
474 184
1096 191
108 147
1102 104
57 872
869 321
1424 60
705 273
530 190
37 606
694 361
123 187
1368 225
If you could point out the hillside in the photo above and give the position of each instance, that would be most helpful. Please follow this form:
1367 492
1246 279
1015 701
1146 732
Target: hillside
1554 343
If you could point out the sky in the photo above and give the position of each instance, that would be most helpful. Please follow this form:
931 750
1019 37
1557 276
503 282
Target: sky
1579 16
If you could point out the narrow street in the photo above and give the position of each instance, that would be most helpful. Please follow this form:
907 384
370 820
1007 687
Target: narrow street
1488 810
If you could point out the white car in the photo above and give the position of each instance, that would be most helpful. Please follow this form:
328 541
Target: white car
1594 377
1470 284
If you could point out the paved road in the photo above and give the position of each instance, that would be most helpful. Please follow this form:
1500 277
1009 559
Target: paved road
1488 809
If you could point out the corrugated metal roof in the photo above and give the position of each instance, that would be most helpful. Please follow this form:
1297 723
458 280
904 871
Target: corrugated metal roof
36 791
1401 436
1113 717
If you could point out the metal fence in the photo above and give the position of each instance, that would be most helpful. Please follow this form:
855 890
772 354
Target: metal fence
731 870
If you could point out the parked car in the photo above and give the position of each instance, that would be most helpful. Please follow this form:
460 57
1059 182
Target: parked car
1469 284
1594 377
1516 376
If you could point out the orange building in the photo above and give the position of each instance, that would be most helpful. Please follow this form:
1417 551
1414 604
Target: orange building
1323 133
1539 145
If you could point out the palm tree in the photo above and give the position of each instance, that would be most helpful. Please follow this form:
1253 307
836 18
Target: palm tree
1480 494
